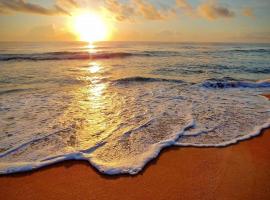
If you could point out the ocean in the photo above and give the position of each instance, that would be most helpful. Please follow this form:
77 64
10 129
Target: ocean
118 104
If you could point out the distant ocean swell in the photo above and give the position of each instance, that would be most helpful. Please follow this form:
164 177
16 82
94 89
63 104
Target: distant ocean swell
85 55
63 56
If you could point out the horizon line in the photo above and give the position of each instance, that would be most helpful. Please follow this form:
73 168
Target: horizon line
139 41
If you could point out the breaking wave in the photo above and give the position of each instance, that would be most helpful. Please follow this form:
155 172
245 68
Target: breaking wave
223 83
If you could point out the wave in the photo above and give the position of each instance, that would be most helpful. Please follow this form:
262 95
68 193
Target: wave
226 83
146 79
64 56
84 55
2 92
187 52
160 53
261 50
257 131
184 52
258 70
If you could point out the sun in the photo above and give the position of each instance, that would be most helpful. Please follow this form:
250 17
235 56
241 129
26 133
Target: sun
90 27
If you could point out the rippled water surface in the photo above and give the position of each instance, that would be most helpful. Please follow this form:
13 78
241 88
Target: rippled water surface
118 104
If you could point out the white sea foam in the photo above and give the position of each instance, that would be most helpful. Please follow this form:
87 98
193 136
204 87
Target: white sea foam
158 116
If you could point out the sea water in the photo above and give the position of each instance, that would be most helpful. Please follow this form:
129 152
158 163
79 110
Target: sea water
118 104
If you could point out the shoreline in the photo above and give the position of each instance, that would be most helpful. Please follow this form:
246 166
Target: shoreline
238 171
148 164
68 163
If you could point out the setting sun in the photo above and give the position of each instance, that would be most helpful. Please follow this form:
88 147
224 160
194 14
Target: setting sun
90 27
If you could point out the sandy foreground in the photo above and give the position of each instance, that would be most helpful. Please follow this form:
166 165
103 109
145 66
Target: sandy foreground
240 171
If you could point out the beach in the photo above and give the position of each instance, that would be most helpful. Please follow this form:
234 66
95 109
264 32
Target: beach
239 171
134 100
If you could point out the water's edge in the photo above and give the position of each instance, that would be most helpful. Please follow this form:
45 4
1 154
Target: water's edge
23 167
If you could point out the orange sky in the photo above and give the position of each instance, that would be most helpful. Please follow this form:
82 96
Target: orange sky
138 20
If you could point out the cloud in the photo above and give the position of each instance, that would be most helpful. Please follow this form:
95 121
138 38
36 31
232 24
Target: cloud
9 6
121 11
149 11
186 8
71 2
129 10
134 9
183 4
67 3
211 10
248 12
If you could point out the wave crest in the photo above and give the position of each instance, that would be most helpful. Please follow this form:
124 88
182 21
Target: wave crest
145 79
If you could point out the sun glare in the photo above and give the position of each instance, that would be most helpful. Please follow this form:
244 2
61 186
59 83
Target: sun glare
90 27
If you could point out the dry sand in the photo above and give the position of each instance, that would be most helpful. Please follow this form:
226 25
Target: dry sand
240 171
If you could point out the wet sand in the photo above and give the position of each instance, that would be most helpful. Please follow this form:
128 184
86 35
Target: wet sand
240 171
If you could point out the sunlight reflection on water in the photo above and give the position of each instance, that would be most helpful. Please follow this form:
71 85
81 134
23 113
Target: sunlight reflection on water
91 48
97 102
94 68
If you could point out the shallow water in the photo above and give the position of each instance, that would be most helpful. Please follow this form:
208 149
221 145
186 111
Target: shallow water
118 104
